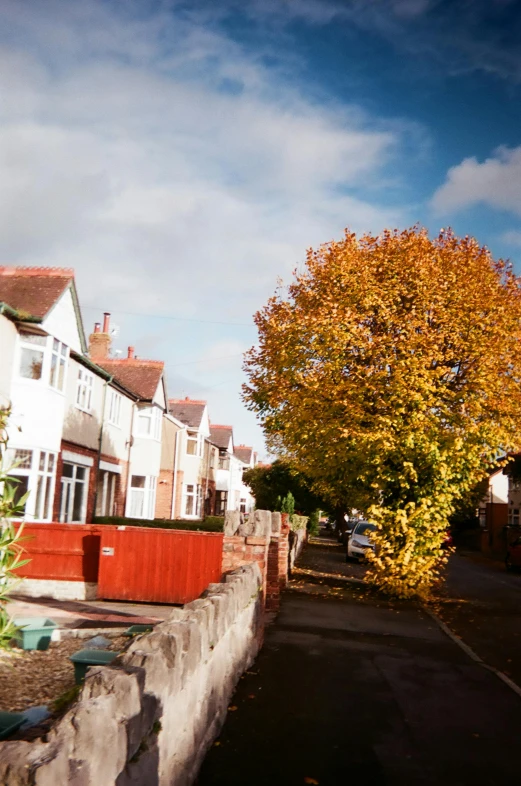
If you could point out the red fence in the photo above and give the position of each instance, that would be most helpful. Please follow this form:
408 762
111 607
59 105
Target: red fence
158 565
129 563
66 552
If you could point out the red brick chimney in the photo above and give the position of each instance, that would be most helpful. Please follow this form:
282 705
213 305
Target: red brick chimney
130 354
99 342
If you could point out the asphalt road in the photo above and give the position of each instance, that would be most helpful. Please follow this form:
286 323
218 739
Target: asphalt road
350 689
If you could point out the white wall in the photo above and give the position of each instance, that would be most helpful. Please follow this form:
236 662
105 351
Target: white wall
61 322
8 334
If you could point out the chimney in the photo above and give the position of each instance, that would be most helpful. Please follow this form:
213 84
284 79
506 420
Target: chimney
130 354
99 343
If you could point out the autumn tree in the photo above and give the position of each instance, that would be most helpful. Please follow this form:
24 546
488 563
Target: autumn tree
390 374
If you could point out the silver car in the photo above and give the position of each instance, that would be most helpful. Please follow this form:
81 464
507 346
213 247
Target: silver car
360 540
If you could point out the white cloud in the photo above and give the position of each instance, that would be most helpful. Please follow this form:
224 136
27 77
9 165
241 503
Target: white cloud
169 166
513 237
496 182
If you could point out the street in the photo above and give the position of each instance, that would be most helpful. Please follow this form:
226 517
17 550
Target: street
349 687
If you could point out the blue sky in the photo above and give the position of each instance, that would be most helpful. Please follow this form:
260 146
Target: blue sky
183 156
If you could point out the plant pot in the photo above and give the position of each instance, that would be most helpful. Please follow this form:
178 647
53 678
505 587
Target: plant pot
9 723
85 658
35 633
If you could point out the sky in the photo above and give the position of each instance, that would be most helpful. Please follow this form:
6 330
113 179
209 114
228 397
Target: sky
183 156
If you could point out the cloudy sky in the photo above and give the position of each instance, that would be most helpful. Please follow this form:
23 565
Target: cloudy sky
182 156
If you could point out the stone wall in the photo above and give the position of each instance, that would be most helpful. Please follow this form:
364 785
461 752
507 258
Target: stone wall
148 719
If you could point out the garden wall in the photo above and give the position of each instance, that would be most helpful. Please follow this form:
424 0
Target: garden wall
149 719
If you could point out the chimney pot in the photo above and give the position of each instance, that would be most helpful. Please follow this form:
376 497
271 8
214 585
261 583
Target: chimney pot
130 353
97 327
106 322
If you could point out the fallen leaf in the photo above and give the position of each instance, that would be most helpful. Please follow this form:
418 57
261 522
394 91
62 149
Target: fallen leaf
251 696
232 708
217 743
311 781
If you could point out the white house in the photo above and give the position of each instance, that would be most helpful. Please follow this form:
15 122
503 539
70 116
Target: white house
194 457
42 306
248 457
229 474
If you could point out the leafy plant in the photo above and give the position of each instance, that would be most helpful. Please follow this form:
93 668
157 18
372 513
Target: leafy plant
10 537
390 375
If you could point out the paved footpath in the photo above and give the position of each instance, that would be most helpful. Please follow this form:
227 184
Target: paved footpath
350 689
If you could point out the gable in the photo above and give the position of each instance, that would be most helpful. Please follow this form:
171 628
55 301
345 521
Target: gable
63 322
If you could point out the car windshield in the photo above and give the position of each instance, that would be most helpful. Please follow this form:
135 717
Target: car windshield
364 528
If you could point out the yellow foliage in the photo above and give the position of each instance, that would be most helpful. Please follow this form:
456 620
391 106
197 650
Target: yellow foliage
391 376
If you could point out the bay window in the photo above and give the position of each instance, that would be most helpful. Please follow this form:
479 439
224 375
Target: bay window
149 422
32 353
33 471
59 354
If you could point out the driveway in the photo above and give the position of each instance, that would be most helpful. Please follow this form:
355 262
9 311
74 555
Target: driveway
351 689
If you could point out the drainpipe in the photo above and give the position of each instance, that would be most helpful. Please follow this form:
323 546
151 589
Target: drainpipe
130 443
207 472
100 443
174 489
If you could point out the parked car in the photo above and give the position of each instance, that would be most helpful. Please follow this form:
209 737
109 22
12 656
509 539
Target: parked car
447 541
513 558
360 541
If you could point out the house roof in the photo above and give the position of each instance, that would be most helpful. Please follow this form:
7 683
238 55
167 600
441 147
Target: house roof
33 290
220 436
140 376
244 453
187 410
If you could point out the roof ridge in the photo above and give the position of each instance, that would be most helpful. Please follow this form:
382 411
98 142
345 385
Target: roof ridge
186 401
134 361
219 425
62 272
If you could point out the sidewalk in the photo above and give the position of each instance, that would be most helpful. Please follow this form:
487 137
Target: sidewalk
88 613
352 689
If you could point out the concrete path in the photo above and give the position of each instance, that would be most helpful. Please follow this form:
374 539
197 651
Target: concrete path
88 613
350 689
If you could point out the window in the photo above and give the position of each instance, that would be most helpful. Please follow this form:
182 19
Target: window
142 496
84 390
224 461
242 507
74 485
189 500
221 500
114 407
32 355
149 422
192 443
33 472
58 363
106 493
513 517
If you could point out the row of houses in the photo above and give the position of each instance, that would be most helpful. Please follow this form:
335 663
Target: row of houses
91 434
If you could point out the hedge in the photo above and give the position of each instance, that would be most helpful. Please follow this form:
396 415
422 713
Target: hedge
209 524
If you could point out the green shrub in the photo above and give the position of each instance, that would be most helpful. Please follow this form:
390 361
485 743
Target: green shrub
210 524
313 523
298 522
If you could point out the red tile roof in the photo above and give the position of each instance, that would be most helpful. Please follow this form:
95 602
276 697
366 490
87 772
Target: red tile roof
188 411
33 290
244 453
140 376
220 436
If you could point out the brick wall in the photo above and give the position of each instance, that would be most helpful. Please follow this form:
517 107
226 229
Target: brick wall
165 488
264 540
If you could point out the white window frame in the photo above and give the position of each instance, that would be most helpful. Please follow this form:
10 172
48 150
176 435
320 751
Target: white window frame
151 415
114 408
147 497
40 345
67 497
58 363
41 475
107 499
189 495
84 388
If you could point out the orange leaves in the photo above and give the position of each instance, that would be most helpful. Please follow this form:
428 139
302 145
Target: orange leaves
391 375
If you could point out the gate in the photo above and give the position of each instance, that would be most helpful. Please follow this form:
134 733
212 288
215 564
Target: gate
157 565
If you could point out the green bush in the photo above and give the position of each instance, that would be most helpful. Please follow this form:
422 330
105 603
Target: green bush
210 524
298 522
313 523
